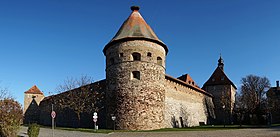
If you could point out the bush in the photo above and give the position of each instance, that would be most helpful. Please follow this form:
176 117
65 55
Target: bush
10 117
33 130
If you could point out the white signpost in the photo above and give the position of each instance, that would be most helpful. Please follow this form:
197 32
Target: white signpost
95 120
113 118
53 115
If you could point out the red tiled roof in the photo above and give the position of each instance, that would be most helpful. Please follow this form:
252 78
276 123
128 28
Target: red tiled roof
188 85
188 79
135 27
34 90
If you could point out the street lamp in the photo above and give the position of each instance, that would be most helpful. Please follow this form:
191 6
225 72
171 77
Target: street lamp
224 115
113 118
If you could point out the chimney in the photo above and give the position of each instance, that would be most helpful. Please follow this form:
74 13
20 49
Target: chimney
277 84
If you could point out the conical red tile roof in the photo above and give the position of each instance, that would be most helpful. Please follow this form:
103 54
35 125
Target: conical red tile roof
135 27
34 90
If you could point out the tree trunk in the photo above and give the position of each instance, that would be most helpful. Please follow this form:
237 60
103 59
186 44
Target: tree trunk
79 119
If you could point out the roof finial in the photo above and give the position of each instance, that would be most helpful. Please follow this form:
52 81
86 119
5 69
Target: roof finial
221 62
134 8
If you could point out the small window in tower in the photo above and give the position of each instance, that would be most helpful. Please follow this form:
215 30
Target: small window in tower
136 56
136 75
213 79
112 61
223 78
159 60
193 83
149 54
121 54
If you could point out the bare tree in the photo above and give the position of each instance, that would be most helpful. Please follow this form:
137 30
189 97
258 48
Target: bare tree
72 83
4 93
239 109
252 94
80 96
227 105
253 90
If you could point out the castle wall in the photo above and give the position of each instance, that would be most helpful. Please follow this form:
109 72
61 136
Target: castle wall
185 107
66 117
138 103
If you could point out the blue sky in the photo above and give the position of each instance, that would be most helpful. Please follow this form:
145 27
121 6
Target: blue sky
44 42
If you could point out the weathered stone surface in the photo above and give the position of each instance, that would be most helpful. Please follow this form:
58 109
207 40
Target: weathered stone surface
137 89
33 93
184 107
224 95
137 103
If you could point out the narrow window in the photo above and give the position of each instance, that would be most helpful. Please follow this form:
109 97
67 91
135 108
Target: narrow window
159 61
136 56
136 75
112 61
149 54
121 54
223 78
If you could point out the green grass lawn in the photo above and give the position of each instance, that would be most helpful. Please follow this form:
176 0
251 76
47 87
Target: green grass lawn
104 131
199 128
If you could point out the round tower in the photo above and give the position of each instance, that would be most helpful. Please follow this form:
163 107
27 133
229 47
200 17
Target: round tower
135 75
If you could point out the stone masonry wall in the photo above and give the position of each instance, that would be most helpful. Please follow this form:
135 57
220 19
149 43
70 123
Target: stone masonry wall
184 107
28 98
223 95
66 117
137 103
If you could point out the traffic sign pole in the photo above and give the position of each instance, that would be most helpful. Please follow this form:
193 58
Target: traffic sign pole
52 122
95 120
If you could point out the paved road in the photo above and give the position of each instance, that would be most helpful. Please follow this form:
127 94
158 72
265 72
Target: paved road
272 132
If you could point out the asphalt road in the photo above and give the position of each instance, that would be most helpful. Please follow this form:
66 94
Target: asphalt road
261 132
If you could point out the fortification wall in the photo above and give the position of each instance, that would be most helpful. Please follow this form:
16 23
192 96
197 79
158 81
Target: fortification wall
186 107
66 117
136 100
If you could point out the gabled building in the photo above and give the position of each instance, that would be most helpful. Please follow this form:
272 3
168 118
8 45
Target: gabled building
273 97
223 91
33 93
32 99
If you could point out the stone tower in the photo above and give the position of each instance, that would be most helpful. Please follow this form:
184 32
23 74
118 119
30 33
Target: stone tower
135 76
223 91
34 93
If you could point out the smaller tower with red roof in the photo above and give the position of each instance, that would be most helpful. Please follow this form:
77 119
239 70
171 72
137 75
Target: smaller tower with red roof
33 93
223 90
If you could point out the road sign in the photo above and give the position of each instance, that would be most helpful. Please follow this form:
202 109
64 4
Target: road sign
95 114
94 117
53 114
